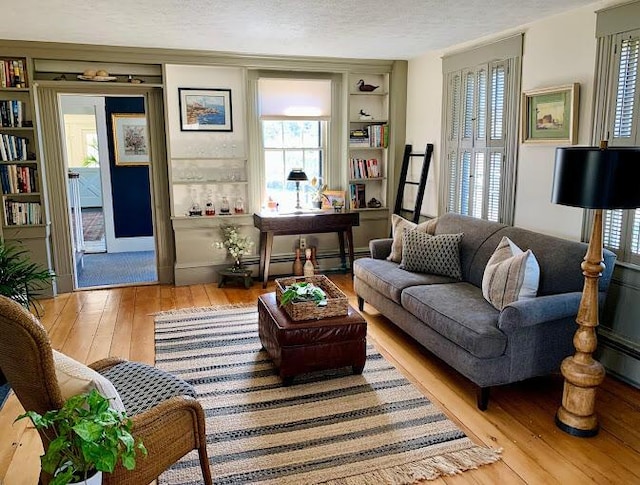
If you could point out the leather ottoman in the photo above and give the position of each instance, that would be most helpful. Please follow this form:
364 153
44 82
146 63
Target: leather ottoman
303 346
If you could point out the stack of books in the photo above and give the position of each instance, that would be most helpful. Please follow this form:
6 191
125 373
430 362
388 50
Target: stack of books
18 180
359 138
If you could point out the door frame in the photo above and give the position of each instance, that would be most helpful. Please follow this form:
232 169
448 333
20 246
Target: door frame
47 107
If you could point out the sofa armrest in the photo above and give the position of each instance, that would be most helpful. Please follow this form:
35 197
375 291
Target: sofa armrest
524 313
380 248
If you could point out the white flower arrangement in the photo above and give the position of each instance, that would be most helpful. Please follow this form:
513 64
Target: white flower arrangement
235 244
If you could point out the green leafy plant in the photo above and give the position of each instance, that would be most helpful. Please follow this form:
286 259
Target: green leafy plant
86 435
21 279
303 291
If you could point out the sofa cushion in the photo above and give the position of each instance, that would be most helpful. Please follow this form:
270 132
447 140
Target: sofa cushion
511 275
388 279
398 226
459 313
439 254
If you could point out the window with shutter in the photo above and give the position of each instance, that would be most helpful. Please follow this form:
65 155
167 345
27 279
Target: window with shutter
478 101
621 228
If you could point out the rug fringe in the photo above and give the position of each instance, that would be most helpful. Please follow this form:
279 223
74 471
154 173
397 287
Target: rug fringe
202 309
427 469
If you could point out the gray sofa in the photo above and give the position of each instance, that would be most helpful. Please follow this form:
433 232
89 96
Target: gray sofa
451 319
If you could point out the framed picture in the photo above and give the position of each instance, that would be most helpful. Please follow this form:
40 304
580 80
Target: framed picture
550 115
130 139
333 199
205 109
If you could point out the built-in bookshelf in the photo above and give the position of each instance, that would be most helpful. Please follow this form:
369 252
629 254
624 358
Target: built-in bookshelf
368 141
24 220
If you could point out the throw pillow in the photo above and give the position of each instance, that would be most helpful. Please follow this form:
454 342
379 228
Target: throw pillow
511 274
76 378
424 253
398 226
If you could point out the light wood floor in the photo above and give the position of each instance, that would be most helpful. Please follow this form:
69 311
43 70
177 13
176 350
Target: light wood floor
95 324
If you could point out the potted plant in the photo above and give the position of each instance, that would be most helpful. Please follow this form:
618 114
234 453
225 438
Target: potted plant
303 291
317 189
235 244
21 279
87 437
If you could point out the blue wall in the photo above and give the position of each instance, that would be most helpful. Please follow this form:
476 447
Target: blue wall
130 187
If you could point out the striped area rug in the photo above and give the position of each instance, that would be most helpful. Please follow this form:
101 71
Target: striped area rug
330 427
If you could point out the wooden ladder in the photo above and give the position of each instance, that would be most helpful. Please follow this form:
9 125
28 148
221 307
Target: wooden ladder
403 182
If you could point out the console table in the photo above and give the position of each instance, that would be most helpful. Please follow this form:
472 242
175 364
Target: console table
270 225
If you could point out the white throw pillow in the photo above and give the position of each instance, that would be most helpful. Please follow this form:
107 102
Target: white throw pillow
511 274
76 378
398 226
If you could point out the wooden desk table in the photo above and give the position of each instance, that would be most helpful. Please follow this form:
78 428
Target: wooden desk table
273 224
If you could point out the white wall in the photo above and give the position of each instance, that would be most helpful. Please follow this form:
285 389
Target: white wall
557 50
424 118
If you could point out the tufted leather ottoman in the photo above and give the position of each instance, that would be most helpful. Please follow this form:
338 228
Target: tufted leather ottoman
310 345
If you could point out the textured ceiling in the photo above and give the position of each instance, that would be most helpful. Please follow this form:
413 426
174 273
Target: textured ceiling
370 29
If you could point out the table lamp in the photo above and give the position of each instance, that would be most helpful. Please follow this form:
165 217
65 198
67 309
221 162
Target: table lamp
592 178
297 175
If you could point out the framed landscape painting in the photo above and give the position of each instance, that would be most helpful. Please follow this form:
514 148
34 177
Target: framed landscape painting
550 115
205 109
130 139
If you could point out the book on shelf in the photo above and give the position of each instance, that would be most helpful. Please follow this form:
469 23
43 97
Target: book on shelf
378 135
359 137
17 179
11 113
13 148
13 73
361 168
357 196
22 213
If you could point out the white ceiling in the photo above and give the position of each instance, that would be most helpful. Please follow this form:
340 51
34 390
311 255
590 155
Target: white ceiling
374 29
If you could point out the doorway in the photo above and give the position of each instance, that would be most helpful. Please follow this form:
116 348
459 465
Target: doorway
109 203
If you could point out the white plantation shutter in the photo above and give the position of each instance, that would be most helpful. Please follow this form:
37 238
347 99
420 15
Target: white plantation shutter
481 114
624 126
495 173
621 228
635 233
477 196
497 102
480 102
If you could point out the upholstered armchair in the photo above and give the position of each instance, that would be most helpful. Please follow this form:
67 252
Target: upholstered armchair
165 414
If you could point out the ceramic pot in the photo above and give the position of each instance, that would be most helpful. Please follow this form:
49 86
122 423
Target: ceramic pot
92 480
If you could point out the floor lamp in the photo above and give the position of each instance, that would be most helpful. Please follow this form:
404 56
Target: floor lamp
592 178
297 175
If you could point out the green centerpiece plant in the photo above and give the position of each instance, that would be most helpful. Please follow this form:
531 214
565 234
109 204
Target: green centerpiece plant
304 291
86 437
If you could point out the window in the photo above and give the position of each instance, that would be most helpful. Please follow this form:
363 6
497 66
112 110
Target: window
288 145
621 228
294 117
481 105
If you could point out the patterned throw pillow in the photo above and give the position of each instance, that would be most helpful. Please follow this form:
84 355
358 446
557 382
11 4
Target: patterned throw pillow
398 226
511 274
77 378
423 253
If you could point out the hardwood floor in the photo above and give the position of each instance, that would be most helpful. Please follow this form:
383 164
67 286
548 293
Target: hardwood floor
94 324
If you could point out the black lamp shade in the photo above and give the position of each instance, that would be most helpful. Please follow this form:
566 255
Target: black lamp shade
297 175
597 178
